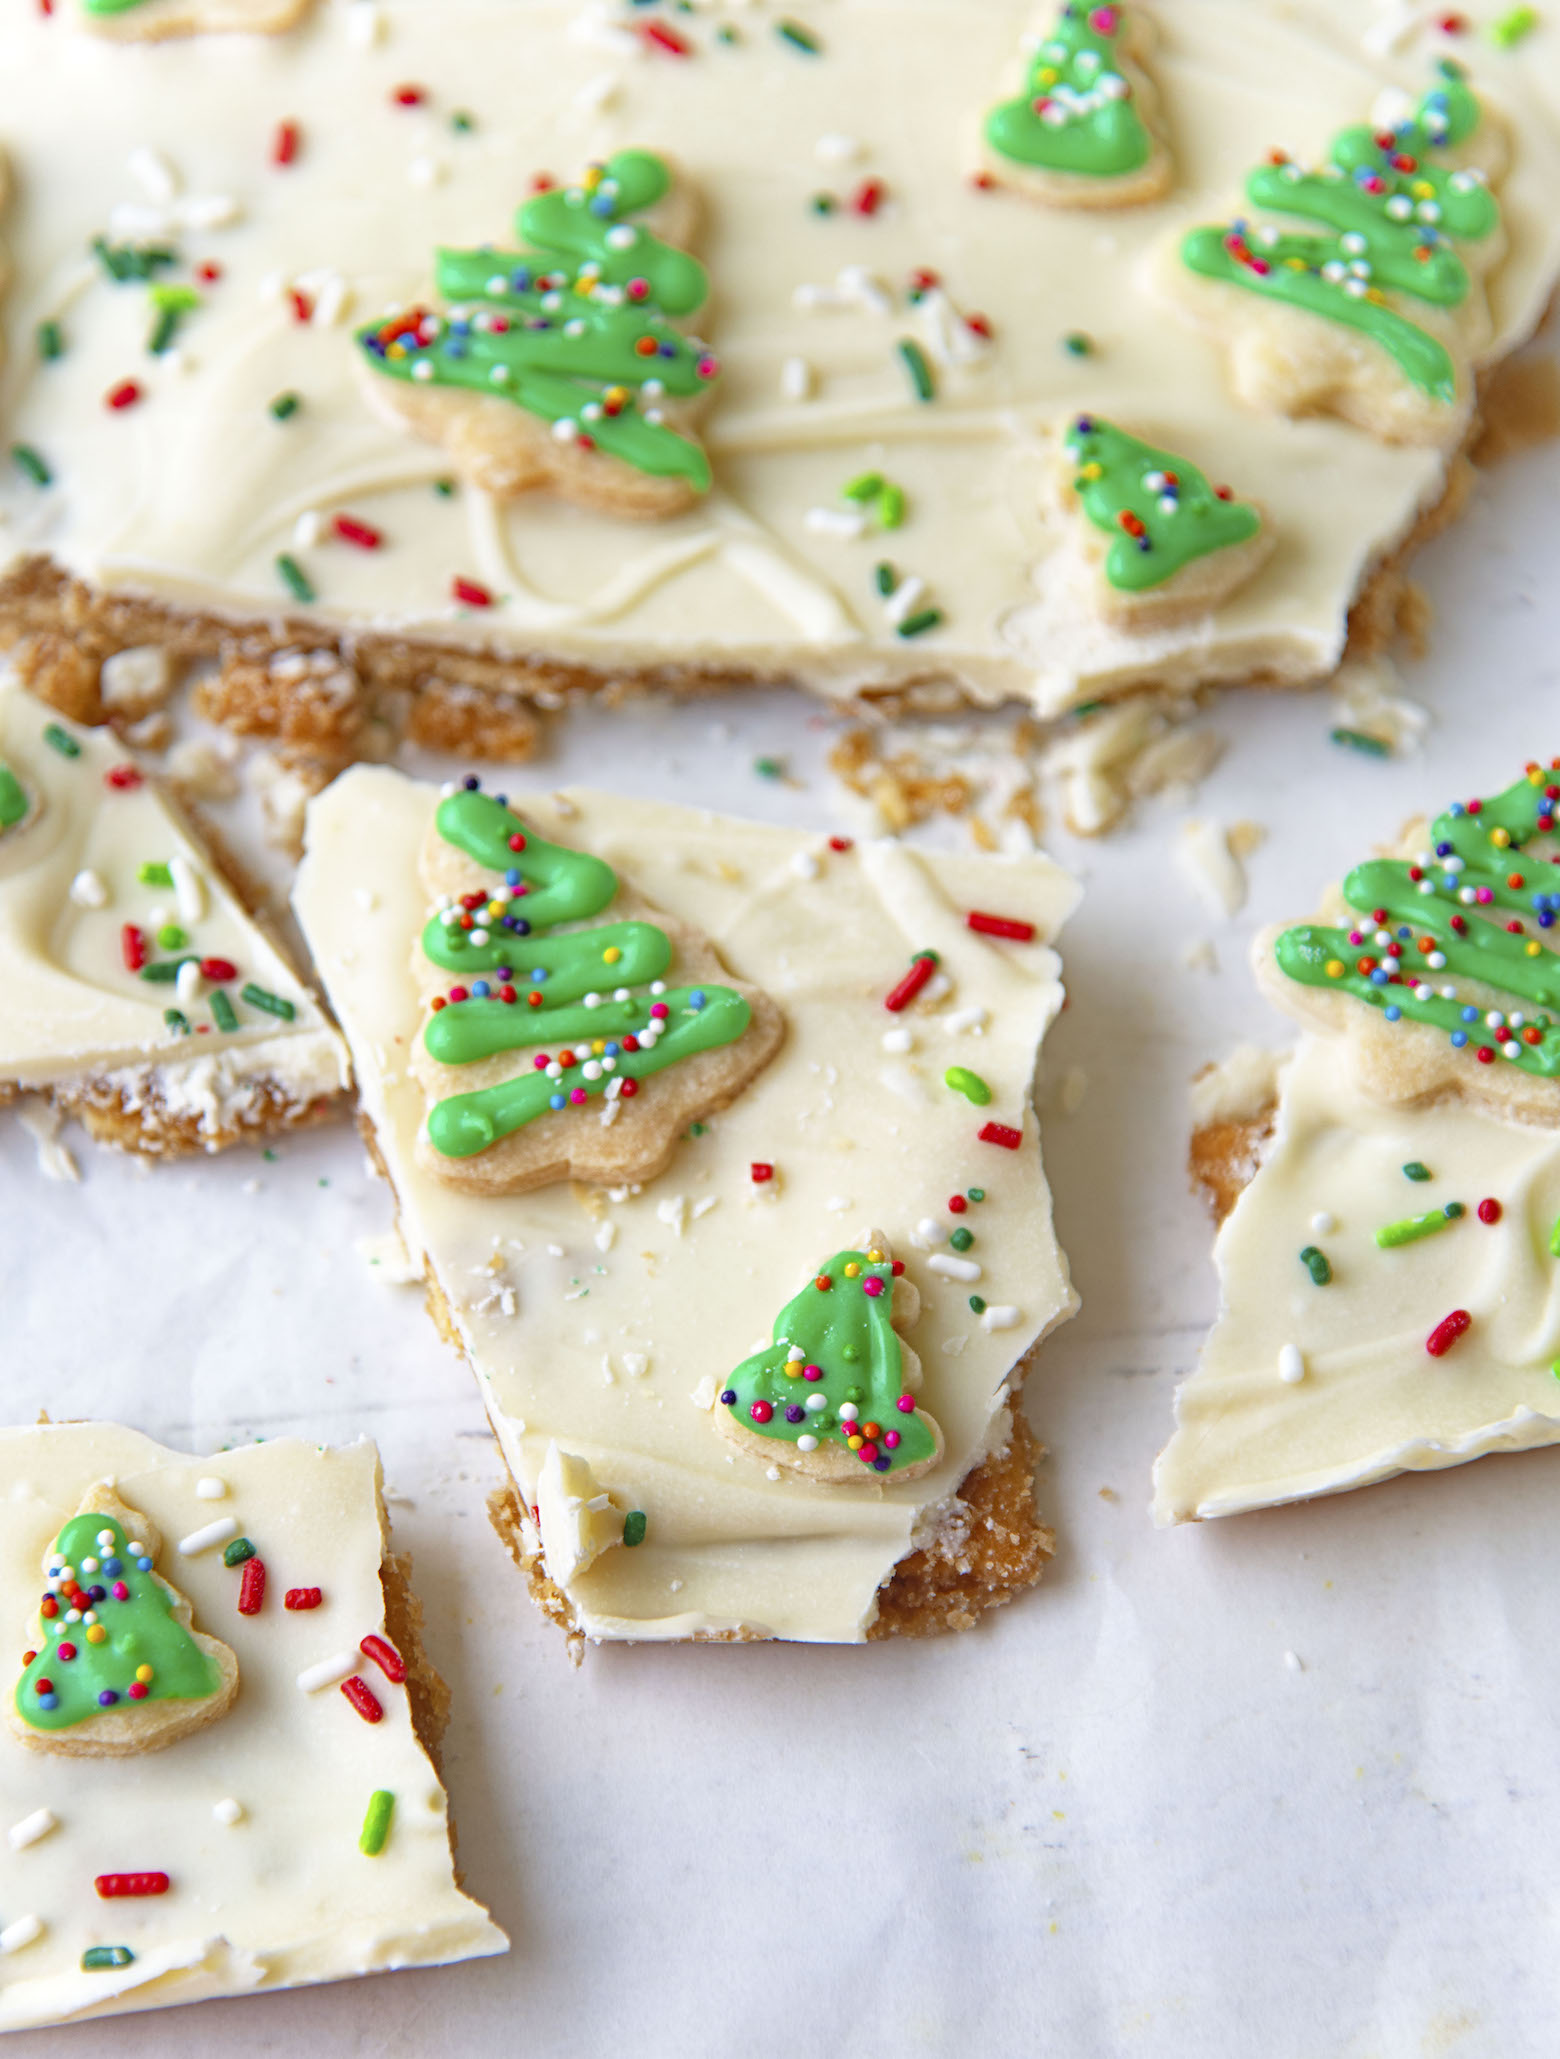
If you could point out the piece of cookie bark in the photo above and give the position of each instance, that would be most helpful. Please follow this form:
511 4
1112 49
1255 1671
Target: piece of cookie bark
1376 310
559 365
1085 131
154 21
281 1821
605 1321
1159 543
141 996
1391 1189
555 1047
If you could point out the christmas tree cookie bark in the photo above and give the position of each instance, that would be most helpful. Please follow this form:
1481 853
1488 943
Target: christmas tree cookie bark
1437 964
835 1392
141 997
605 1322
1391 1189
1159 542
557 1046
153 21
560 364
1085 129
282 1822
117 1667
1374 310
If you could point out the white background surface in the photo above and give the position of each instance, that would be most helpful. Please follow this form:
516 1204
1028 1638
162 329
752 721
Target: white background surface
1115 1819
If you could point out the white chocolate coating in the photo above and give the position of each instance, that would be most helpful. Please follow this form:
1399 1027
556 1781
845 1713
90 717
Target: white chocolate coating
606 1323
191 495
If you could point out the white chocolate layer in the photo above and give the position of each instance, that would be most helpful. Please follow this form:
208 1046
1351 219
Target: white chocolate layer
191 495
605 1322
1371 1400
69 883
279 1895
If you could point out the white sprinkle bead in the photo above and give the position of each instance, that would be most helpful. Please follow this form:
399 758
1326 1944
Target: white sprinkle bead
26 1930
214 1533
806 1442
328 1673
848 1412
211 1489
953 1268
1291 1366
31 1828
796 379
1323 1224
228 1811
87 889
1001 1317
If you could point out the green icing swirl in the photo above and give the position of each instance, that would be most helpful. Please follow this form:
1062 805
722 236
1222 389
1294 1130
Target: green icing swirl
141 1627
1389 216
1076 113
1159 510
569 986
1443 910
574 328
13 798
842 1323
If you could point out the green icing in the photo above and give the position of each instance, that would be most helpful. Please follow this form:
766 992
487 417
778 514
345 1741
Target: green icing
1159 510
1076 112
1389 217
575 327
93 1556
1464 911
553 989
842 1324
13 798
111 6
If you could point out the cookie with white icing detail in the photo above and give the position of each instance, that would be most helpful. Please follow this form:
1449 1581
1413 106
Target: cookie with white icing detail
561 364
558 1046
1436 960
118 1667
1157 542
1085 128
833 1396
156 21
1358 288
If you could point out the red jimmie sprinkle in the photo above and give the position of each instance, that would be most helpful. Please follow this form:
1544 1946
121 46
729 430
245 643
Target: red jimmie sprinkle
1490 1211
409 96
385 1657
112 1885
1446 1332
302 1598
663 38
842 843
761 1172
132 947
1000 926
251 1590
124 395
922 966
469 594
124 779
869 196
302 305
362 1698
999 1133
208 273
284 144
363 534
218 970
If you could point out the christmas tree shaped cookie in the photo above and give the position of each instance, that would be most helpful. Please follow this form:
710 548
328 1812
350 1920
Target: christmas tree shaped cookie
834 1395
1373 311
1084 130
561 364
1438 963
117 1668
152 21
555 1047
1160 542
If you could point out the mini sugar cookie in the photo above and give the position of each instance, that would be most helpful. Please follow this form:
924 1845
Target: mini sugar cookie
1085 131
304 1836
119 1667
1389 1255
1435 962
835 1392
555 1049
603 1321
140 995
1375 312
1160 543
152 21
559 365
